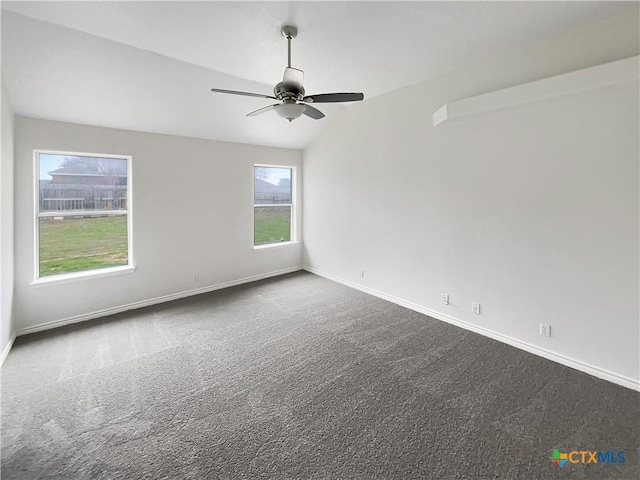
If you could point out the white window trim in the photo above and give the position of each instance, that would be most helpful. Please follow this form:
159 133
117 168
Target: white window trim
268 246
294 201
84 274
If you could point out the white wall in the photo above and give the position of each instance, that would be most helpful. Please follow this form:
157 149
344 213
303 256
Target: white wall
6 224
532 211
204 225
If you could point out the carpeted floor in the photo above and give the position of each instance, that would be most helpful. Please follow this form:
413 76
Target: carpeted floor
298 377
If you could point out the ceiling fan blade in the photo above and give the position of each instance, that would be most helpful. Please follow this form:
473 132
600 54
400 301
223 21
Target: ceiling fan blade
246 94
313 112
334 97
262 110
293 76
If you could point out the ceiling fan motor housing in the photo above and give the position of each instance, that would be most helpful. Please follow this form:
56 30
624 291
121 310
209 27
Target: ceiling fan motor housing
283 90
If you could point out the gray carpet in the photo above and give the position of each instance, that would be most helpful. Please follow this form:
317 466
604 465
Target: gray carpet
298 377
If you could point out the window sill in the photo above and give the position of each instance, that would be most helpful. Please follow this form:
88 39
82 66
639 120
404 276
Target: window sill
271 246
82 276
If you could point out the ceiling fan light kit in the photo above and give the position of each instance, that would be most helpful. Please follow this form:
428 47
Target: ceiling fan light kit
290 111
291 93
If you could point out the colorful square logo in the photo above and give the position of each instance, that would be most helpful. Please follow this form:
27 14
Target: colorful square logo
559 458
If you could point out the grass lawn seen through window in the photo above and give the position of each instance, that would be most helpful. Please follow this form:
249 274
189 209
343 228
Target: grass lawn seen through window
272 225
77 244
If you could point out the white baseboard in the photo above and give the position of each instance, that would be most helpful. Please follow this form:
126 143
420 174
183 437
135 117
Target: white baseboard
548 354
7 349
152 301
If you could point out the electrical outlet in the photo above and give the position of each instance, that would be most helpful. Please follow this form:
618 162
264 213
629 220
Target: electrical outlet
475 307
545 330
444 298
361 273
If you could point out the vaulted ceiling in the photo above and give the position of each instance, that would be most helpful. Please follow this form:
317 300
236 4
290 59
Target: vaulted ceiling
149 66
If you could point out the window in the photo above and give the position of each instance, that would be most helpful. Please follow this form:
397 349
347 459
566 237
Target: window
82 213
273 205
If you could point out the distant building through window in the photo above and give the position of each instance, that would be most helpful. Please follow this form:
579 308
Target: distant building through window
82 212
273 205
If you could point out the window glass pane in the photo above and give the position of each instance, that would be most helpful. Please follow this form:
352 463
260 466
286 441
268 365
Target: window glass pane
70 244
69 182
81 222
272 185
272 225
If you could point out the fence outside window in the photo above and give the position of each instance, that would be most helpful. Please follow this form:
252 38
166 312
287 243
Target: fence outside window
61 197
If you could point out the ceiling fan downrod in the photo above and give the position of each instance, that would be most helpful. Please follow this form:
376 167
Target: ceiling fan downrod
289 32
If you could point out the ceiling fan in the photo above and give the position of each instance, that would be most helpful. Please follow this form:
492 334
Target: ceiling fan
291 92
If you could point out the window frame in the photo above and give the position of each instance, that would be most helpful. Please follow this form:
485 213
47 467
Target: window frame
293 234
82 275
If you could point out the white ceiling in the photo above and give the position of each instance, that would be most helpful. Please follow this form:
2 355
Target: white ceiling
149 66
